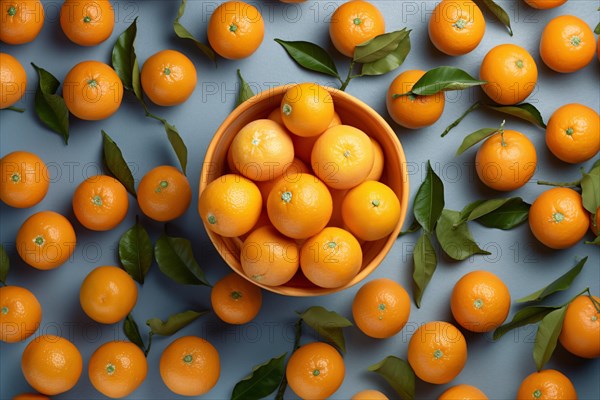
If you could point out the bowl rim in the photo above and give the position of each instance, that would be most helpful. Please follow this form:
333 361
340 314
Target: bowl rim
219 242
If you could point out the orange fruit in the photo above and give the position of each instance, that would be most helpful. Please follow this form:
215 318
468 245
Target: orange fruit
291 173
46 240
456 27
580 333
369 395
342 157
164 193
51 364
261 150
567 44
301 207
331 258
511 74
87 23
480 301
548 384
371 210
13 80
20 314
21 21
506 160
307 109
378 162
337 197
315 371
235 30
463 392
268 257
30 396
108 294
412 111
381 308
117 368
545 4
437 352
168 78
24 181
190 366
354 23
100 203
557 218
573 133
235 300
92 90
230 205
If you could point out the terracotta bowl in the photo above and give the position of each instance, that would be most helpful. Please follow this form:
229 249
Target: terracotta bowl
352 112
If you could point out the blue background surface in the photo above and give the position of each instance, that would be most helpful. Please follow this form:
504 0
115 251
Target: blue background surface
523 263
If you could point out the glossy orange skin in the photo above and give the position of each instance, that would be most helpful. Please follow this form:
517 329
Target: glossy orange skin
413 112
46 240
25 179
315 371
168 78
557 218
117 368
290 174
567 44
580 333
381 308
235 30
545 4
51 364
87 23
100 203
230 205
456 27
30 396
20 314
573 133
13 80
269 258
307 109
21 21
108 294
164 193
463 392
511 74
92 91
331 258
547 384
369 395
354 23
437 352
190 366
235 300
378 162
480 301
506 167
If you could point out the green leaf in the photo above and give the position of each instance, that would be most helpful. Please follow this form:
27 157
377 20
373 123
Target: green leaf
4 264
116 164
558 285
442 79
547 336
590 190
310 56
597 29
16 109
135 252
525 316
429 200
174 323
176 260
245 90
468 111
456 241
512 214
414 227
474 138
262 381
124 60
524 111
391 61
378 47
183 33
132 332
596 241
177 144
328 324
398 374
499 13
50 107
425 263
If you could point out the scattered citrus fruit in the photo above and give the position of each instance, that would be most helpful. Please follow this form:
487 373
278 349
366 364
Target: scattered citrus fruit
369 395
20 314
456 27
24 181
100 203
545 4
87 23
235 300
13 80
580 333
548 384
30 396
463 392
307 109
164 193
21 20
353 23
235 29
168 78
567 44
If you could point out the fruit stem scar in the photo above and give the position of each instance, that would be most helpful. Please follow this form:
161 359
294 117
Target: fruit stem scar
110 369
537 393
87 19
255 141
347 153
92 83
594 318
478 303
286 109
375 203
15 177
460 23
12 11
211 219
569 131
167 71
412 97
4 310
286 196
39 240
162 185
357 21
316 372
558 217
438 354
575 40
97 200
331 244
187 359
236 295
233 27
519 64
